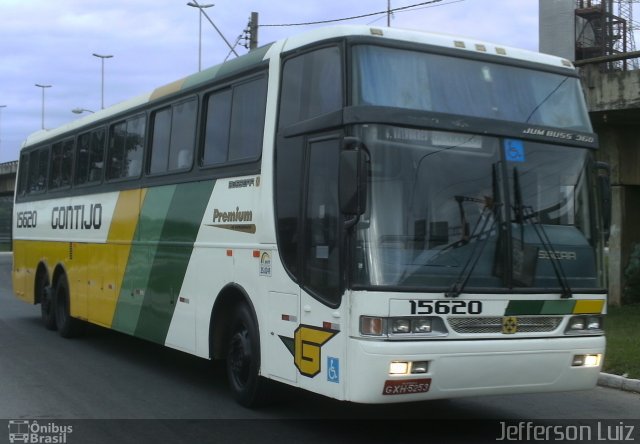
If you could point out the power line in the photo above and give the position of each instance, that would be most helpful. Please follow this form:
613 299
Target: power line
423 7
353 17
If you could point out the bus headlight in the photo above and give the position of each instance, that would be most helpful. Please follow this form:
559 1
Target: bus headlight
422 325
584 325
402 327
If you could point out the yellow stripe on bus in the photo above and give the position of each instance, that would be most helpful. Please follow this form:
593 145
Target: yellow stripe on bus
113 264
588 307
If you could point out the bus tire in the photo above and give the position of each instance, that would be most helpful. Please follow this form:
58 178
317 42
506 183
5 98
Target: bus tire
68 327
243 360
45 293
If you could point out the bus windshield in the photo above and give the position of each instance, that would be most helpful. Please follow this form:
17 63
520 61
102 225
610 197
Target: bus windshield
439 201
429 82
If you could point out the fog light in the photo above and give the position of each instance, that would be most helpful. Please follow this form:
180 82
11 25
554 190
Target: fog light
578 361
401 325
586 360
419 367
398 368
422 326
592 360
370 326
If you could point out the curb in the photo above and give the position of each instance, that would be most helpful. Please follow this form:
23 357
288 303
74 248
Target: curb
619 382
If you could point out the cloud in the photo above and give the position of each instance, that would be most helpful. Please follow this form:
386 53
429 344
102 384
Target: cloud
155 42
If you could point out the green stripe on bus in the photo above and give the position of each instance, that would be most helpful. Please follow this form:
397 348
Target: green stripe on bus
558 307
145 242
169 264
520 308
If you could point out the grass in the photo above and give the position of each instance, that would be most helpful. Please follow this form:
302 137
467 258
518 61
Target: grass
622 329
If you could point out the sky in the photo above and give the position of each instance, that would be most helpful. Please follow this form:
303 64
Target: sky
155 42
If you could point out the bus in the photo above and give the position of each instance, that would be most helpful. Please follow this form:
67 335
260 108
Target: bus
374 215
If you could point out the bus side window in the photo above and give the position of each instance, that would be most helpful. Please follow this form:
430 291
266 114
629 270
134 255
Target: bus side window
173 137
230 113
126 142
90 157
96 156
38 170
61 162
23 174
216 140
247 111
311 86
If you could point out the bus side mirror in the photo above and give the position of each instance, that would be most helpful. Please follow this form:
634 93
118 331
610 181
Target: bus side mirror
604 189
353 178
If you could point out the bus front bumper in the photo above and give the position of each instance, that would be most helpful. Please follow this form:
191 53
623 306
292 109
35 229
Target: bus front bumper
470 368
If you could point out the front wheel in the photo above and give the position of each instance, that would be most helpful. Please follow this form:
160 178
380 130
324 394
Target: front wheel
243 360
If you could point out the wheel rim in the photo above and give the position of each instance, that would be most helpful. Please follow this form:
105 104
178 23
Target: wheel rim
240 357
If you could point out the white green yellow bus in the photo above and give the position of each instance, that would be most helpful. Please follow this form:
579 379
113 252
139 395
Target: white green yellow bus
375 215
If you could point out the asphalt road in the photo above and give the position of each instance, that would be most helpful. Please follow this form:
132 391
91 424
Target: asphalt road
114 388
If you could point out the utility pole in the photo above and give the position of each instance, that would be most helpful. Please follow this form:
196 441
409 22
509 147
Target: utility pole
388 13
253 31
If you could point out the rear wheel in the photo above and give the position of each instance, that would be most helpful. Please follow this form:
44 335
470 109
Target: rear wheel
68 327
243 360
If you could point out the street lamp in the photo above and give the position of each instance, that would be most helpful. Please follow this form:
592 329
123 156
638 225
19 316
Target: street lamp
81 110
102 57
1 106
200 7
43 88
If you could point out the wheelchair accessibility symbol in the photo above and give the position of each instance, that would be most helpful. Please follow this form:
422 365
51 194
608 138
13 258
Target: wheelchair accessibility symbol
514 150
333 369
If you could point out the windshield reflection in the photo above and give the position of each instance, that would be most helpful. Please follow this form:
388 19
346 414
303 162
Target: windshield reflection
441 202
414 80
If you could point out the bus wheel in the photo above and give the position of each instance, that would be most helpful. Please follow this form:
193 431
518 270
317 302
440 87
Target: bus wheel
46 302
68 327
243 360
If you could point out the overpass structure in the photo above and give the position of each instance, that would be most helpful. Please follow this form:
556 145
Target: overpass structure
597 35
8 172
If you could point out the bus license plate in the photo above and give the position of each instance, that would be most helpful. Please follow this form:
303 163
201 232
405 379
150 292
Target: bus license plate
406 386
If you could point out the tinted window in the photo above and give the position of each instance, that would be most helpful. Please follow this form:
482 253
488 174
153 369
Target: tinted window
134 146
90 157
126 144
174 132
61 162
160 138
216 141
247 120
115 155
323 222
311 86
23 174
235 123
38 167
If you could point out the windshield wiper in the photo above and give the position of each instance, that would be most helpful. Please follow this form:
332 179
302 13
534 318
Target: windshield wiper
524 213
490 206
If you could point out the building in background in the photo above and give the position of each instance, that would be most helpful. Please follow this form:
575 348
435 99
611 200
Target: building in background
598 36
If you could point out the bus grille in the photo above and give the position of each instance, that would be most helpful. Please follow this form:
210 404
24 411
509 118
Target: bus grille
526 324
